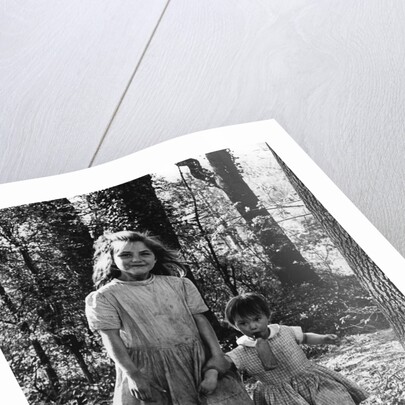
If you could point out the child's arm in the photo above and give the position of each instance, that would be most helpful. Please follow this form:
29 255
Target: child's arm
217 361
211 375
315 339
139 385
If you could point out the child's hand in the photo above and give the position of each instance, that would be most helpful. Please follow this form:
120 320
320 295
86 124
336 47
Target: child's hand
209 383
331 339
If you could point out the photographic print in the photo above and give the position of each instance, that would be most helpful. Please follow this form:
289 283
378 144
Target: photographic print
219 275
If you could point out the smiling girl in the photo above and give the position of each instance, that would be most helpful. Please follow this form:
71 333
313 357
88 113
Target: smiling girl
153 327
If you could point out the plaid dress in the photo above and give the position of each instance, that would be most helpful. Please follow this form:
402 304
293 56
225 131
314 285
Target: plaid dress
295 380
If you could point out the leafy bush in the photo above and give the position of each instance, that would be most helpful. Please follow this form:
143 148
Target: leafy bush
337 305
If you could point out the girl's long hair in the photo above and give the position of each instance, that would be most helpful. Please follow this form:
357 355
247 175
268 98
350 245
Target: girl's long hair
105 270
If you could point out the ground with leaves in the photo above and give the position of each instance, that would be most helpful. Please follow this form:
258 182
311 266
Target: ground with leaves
375 361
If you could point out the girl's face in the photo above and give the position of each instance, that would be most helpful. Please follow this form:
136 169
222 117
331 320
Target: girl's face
254 326
134 259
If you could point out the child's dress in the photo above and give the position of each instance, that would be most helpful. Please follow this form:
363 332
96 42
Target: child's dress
155 318
295 380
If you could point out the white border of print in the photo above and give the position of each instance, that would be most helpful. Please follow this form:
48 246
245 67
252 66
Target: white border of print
166 153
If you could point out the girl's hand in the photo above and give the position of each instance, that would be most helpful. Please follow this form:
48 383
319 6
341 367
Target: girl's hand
141 387
209 383
331 339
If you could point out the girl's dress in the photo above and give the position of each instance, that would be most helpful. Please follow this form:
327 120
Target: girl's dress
295 380
155 318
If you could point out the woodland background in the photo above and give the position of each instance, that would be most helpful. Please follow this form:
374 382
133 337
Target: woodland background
242 222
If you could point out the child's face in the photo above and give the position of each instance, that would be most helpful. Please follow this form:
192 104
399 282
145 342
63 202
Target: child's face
134 260
254 326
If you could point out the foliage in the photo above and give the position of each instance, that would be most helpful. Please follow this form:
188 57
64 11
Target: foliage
76 391
44 287
215 242
338 305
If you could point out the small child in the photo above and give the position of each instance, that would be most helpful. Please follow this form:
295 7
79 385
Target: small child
272 355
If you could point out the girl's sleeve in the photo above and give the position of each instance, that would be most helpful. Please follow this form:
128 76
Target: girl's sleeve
193 298
298 334
236 356
100 313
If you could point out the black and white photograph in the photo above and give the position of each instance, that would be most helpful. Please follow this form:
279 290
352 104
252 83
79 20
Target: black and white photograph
216 279
202 202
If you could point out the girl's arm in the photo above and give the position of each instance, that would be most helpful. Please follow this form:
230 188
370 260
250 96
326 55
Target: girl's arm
138 383
315 339
209 337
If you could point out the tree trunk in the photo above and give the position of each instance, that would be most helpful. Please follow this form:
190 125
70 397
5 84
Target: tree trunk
73 345
289 265
136 207
39 350
71 237
385 294
46 363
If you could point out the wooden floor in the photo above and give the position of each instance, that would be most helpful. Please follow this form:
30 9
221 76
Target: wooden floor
85 82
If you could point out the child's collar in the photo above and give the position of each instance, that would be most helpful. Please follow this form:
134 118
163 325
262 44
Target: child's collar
249 342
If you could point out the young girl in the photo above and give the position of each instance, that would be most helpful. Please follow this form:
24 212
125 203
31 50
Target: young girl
152 326
272 355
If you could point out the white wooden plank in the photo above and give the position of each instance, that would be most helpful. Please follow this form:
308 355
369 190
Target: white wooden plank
330 72
63 67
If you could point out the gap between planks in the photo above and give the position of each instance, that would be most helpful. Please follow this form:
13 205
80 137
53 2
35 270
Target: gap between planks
129 84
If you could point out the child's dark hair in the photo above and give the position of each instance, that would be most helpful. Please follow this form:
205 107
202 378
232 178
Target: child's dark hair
104 269
246 305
